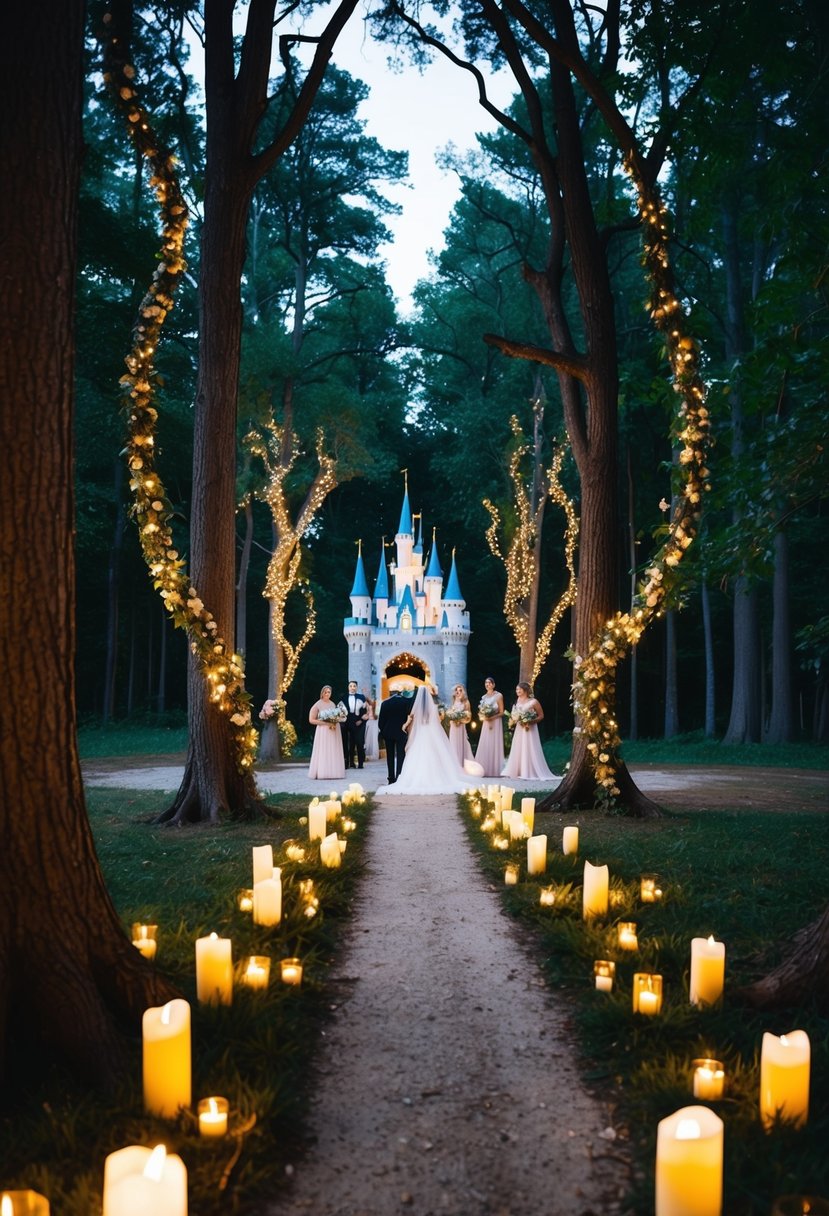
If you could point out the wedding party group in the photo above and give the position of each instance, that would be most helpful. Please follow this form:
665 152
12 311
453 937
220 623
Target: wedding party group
426 744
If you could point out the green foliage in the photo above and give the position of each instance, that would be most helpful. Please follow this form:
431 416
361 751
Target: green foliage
753 881
257 1052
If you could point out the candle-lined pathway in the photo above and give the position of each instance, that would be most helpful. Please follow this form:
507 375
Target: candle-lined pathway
447 1079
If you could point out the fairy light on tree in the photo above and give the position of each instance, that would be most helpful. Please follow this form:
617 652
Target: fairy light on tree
278 448
522 558
594 687
221 667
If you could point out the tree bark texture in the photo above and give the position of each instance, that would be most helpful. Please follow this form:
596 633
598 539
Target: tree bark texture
803 975
671 716
710 666
780 727
70 980
745 721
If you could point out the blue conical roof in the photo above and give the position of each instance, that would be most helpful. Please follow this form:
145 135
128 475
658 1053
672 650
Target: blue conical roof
453 588
433 570
360 582
405 525
406 600
381 587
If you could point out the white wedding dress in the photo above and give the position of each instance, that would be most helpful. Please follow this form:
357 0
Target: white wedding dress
430 766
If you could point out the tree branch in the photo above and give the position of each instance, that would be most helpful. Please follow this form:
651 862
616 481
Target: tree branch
571 365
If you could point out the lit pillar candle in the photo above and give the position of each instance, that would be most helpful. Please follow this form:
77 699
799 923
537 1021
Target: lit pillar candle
214 970
245 899
511 873
317 820
515 825
489 824
628 939
689 1153
594 898
604 971
213 1117
784 1077
267 899
528 813
294 851
506 798
570 841
536 854
647 993
333 808
138 1180
709 1079
144 938
330 854
262 862
290 970
649 889
166 1058
547 897
257 971
707 971
23 1203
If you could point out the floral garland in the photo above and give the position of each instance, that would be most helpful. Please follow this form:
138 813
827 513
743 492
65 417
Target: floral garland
594 687
223 670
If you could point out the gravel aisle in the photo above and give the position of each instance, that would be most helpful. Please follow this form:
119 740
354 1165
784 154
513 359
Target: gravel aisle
447 1083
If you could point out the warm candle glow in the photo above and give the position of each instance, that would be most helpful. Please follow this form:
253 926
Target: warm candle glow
604 972
245 900
785 1064
536 855
707 971
547 897
144 938
649 890
570 841
138 1180
628 939
214 970
689 1150
213 1114
166 1058
290 970
511 872
257 972
709 1079
647 993
594 895
23 1203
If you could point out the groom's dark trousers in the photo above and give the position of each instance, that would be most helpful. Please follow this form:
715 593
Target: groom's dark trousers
393 713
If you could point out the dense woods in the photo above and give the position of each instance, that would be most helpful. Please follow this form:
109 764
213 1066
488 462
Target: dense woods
321 346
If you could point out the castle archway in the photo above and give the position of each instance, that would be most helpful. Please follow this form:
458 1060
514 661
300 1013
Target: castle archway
404 670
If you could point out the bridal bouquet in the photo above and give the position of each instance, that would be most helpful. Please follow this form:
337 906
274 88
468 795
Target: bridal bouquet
458 715
525 717
333 715
487 709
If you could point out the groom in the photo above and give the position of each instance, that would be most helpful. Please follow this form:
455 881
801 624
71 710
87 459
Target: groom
390 720
354 727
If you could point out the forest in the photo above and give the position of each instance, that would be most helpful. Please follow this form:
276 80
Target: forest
740 650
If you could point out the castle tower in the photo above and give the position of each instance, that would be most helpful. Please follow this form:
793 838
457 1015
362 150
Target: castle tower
357 627
454 631
381 587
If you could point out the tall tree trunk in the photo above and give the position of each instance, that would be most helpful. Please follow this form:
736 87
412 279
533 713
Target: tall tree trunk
781 721
108 708
670 724
633 727
710 668
131 666
74 1005
745 721
161 703
242 581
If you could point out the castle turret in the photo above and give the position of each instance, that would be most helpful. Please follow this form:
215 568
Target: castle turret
453 601
433 585
405 543
360 595
454 629
381 587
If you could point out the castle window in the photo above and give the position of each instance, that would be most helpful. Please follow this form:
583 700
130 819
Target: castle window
405 619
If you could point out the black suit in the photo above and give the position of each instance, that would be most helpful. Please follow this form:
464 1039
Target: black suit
354 730
390 720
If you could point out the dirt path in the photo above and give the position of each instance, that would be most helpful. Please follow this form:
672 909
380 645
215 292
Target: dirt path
447 1079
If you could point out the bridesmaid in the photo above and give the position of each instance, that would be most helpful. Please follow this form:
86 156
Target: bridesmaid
490 753
372 735
327 761
526 759
457 725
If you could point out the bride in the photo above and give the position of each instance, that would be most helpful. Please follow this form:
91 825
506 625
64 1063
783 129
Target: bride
430 766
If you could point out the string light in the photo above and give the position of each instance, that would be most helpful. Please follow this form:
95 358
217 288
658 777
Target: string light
594 687
520 559
283 575
222 670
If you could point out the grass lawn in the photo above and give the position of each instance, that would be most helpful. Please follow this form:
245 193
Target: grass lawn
258 1052
751 880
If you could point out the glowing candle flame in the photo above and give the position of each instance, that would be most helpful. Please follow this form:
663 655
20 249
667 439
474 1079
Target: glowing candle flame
154 1169
688 1129
166 1014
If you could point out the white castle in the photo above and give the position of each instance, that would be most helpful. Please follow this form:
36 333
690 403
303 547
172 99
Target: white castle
416 635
